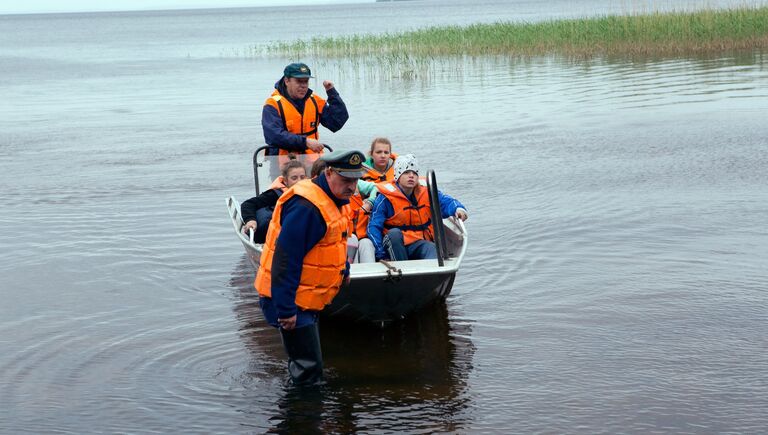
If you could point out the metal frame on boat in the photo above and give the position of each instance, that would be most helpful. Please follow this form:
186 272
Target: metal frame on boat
384 291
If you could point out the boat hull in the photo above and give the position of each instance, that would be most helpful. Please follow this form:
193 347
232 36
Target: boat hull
383 292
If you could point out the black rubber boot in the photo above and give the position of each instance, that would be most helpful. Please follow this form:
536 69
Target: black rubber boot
305 359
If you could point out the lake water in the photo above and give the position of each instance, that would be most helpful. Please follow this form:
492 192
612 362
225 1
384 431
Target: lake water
616 279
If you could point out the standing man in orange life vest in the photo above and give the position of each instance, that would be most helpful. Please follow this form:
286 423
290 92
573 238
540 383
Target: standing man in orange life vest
304 260
293 113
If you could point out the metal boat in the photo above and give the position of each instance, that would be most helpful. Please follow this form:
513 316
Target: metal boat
385 291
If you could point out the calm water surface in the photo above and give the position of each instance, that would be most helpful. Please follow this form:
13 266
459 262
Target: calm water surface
616 279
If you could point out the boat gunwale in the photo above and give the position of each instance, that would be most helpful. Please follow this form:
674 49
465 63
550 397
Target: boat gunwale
358 270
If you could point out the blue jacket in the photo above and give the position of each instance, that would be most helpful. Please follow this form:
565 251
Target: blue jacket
334 117
383 210
302 227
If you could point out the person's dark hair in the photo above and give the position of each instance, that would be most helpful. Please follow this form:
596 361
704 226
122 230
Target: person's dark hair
317 168
383 140
288 166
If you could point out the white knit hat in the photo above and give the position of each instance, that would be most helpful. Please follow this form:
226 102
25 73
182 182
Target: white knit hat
404 163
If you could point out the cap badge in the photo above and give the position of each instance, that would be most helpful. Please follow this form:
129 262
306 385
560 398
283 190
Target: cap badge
355 159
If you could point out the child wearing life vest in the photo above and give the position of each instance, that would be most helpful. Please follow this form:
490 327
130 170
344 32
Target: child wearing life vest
257 211
359 248
400 225
381 161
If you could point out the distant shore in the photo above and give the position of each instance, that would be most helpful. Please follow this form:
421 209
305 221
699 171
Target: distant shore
707 31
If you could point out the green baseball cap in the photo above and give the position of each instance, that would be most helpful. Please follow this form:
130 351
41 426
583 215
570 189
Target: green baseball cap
347 163
297 70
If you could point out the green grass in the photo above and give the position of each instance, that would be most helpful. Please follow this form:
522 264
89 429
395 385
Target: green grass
707 31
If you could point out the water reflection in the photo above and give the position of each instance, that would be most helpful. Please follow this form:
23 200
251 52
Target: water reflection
416 369
261 340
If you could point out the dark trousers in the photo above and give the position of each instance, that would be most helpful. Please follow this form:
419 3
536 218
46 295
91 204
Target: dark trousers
302 344
398 251
263 217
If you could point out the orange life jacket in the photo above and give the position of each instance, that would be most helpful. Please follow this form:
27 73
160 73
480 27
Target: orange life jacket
304 124
376 176
323 269
358 219
415 221
278 184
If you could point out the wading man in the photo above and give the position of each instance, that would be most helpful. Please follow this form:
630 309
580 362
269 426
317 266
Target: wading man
293 113
304 260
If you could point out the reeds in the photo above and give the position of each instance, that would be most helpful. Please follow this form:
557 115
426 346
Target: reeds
647 34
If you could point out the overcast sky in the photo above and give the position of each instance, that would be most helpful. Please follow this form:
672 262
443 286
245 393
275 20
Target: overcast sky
42 6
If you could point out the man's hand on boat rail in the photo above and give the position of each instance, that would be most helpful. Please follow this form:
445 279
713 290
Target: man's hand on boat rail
461 214
288 323
314 145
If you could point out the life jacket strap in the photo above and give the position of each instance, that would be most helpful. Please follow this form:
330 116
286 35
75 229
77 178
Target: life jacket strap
281 111
414 207
355 219
421 227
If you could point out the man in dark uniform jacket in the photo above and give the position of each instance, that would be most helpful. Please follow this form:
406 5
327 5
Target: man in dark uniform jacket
303 263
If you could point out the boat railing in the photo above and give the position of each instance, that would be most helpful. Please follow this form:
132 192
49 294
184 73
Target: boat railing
256 165
437 219
234 214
